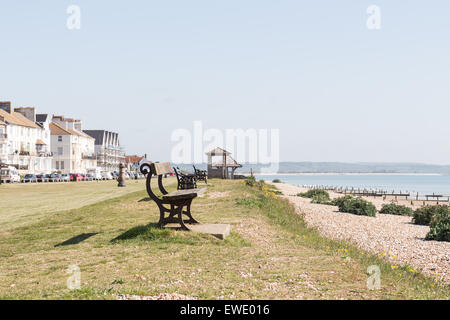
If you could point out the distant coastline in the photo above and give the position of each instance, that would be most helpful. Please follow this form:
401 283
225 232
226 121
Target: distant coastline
344 174
338 168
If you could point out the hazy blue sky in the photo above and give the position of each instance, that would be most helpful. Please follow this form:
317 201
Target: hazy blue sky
336 90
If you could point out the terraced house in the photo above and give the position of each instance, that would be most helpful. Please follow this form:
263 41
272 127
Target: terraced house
73 150
107 149
24 143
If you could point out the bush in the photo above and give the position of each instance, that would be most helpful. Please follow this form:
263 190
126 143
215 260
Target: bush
440 226
425 214
276 181
396 209
358 206
339 201
250 181
316 195
320 199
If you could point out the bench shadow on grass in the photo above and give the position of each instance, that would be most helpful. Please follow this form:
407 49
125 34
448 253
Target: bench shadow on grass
165 236
76 240
148 232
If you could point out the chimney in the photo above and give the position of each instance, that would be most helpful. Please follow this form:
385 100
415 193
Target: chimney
60 120
6 106
27 112
77 125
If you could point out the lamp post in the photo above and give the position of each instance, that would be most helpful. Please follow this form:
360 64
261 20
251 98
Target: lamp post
121 178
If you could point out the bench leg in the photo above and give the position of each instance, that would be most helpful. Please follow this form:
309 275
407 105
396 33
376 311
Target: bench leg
179 212
176 213
188 213
162 219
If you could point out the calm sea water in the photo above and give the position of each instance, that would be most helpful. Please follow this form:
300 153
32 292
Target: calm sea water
426 184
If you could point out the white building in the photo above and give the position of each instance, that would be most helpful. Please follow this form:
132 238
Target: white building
107 149
73 150
24 143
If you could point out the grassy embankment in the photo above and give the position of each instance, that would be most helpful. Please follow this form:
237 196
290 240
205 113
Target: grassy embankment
270 254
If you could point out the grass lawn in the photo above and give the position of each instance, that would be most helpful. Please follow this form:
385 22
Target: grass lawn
21 204
270 253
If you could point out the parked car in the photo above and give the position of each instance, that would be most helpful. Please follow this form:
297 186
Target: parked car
95 173
107 176
9 174
65 177
97 176
29 178
41 178
54 177
75 177
89 177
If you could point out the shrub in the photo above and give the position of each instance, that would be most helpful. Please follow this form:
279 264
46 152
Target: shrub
320 199
339 201
250 181
316 195
276 181
440 226
424 215
396 209
358 206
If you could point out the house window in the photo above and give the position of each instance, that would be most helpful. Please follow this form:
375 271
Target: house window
60 151
57 165
62 165
59 138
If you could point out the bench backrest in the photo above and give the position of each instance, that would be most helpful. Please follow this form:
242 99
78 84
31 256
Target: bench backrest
158 168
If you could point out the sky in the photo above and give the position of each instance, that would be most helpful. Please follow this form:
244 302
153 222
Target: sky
336 90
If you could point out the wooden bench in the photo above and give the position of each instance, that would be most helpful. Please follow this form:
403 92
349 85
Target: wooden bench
177 203
185 181
200 175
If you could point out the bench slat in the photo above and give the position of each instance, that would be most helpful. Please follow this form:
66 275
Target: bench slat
161 168
184 194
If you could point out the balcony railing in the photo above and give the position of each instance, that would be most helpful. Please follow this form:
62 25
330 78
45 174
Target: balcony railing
40 154
45 154
88 157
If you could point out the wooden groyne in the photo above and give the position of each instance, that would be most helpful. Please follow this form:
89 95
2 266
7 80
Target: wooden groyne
364 192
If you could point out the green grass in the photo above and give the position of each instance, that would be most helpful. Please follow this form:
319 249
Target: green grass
21 204
270 254
405 280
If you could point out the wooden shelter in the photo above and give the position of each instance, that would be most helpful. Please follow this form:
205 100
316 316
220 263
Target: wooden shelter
224 168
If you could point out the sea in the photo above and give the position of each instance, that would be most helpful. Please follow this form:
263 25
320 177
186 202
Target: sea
413 184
